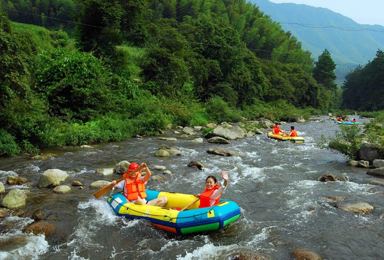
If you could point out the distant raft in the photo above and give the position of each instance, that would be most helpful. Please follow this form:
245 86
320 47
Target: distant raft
297 139
346 122
191 220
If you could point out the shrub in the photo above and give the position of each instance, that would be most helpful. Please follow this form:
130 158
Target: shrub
8 145
346 141
219 111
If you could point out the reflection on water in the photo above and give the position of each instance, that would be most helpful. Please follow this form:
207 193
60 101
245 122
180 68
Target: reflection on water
283 205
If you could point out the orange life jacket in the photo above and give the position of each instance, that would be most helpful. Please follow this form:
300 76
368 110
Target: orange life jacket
276 129
134 188
293 133
205 197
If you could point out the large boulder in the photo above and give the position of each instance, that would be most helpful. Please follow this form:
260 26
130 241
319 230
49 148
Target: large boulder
379 172
230 133
52 177
356 207
369 153
378 163
222 152
16 198
218 140
40 227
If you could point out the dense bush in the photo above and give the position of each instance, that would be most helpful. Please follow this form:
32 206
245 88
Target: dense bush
347 141
8 145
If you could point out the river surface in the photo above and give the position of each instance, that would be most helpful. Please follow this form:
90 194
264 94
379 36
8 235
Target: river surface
283 204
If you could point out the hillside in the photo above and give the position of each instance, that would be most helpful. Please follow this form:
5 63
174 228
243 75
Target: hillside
350 44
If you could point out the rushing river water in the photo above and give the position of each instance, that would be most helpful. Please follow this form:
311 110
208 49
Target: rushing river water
283 204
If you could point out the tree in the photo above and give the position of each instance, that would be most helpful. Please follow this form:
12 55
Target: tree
105 24
324 71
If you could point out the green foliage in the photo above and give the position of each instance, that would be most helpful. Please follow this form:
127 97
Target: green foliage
8 144
74 85
202 62
219 111
364 87
374 130
346 141
207 130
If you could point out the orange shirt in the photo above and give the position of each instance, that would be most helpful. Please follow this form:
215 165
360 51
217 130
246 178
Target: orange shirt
276 129
293 133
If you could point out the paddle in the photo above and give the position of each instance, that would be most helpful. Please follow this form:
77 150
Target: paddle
104 190
196 200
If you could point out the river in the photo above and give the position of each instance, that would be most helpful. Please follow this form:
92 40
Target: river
283 204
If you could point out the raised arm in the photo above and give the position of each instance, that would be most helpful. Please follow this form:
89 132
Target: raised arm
148 175
224 174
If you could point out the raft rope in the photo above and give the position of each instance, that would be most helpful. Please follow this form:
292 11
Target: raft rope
166 216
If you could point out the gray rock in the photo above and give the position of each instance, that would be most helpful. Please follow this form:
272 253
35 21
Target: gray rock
232 133
378 163
52 177
198 140
2 188
16 198
99 184
188 130
121 167
105 171
159 167
168 138
222 152
356 207
218 140
364 164
376 172
62 189
304 254
161 153
369 153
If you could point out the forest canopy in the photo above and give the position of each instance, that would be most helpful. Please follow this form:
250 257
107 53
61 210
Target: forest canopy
134 67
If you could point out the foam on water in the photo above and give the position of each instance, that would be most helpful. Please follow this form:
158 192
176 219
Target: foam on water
33 167
35 247
260 237
102 209
207 251
32 246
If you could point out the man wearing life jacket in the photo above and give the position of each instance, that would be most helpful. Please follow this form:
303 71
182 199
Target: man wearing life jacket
276 129
134 187
354 121
293 132
212 193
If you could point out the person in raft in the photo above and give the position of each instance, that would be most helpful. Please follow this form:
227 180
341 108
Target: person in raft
276 130
354 120
212 193
134 187
293 132
340 119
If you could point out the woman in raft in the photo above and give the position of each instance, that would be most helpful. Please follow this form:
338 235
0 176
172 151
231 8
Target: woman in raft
212 193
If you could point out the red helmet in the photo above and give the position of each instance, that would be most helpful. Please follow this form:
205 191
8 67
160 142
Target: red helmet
132 167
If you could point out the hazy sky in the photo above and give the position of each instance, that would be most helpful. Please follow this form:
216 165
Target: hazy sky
361 11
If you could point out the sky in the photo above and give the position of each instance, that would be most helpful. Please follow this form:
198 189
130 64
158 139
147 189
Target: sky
361 11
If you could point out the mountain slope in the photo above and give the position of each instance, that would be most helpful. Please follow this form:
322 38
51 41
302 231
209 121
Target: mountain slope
350 44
